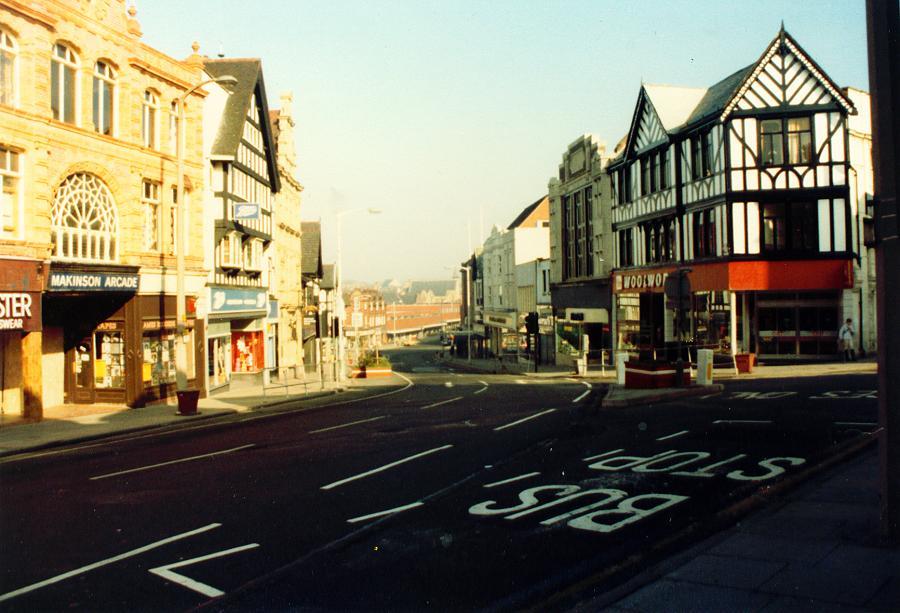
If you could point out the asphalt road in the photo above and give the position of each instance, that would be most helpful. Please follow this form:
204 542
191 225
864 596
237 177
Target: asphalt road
444 490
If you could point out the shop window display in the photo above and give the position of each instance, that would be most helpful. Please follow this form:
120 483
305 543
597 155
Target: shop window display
247 351
219 357
159 357
109 360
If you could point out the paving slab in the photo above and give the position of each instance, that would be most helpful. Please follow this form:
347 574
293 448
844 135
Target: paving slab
727 571
683 596
847 586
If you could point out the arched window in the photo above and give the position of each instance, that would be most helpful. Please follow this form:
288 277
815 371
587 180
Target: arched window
63 95
149 129
8 69
104 88
84 224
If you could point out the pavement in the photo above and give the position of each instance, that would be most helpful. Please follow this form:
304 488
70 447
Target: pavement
73 423
818 548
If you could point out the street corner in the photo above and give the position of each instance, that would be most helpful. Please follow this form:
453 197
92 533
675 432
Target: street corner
619 396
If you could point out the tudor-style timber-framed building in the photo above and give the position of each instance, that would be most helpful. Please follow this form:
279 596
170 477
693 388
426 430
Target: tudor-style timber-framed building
581 248
757 186
242 327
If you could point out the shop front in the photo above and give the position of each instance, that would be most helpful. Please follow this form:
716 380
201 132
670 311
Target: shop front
582 309
21 283
236 352
501 333
776 309
121 347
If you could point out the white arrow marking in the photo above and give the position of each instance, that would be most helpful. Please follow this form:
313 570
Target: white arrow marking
207 590
448 383
101 563
581 396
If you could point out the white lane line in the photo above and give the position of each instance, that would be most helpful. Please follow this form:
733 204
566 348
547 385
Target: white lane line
437 404
601 455
106 562
179 461
484 383
347 425
677 434
573 380
192 584
405 507
523 420
585 393
448 383
868 424
478 391
742 421
383 468
587 384
707 396
512 479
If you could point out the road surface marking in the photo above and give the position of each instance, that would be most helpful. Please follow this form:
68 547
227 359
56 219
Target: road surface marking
383 468
511 479
521 381
405 507
448 383
742 421
707 396
151 466
207 590
484 383
347 425
573 380
106 562
437 404
677 434
587 384
523 420
868 424
585 393
478 391
601 455
201 426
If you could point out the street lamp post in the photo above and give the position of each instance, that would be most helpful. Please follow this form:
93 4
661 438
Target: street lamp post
180 309
340 292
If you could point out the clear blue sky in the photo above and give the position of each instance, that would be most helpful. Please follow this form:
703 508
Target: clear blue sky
433 111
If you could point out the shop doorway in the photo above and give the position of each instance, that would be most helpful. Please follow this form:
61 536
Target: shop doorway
798 325
81 381
652 338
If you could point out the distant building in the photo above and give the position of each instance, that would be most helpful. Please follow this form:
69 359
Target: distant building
581 250
313 271
526 238
287 282
365 322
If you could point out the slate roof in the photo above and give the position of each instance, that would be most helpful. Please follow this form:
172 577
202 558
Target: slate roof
311 249
528 210
248 72
717 96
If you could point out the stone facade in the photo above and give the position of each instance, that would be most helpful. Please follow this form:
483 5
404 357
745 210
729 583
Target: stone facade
287 285
95 166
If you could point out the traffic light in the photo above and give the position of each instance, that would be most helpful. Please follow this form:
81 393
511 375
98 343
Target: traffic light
531 323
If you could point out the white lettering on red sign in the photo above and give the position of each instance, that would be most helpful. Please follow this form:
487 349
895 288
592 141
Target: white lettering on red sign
16 305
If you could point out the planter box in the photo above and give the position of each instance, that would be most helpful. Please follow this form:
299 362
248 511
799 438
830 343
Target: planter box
653 374
744 362
358 373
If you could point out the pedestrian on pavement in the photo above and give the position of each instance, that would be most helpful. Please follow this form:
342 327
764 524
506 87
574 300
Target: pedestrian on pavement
845 336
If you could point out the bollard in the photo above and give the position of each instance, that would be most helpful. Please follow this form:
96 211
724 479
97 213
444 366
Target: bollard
704 366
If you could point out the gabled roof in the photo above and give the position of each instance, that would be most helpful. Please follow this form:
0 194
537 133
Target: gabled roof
670 103
248 72
311 249
784 41
526 212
